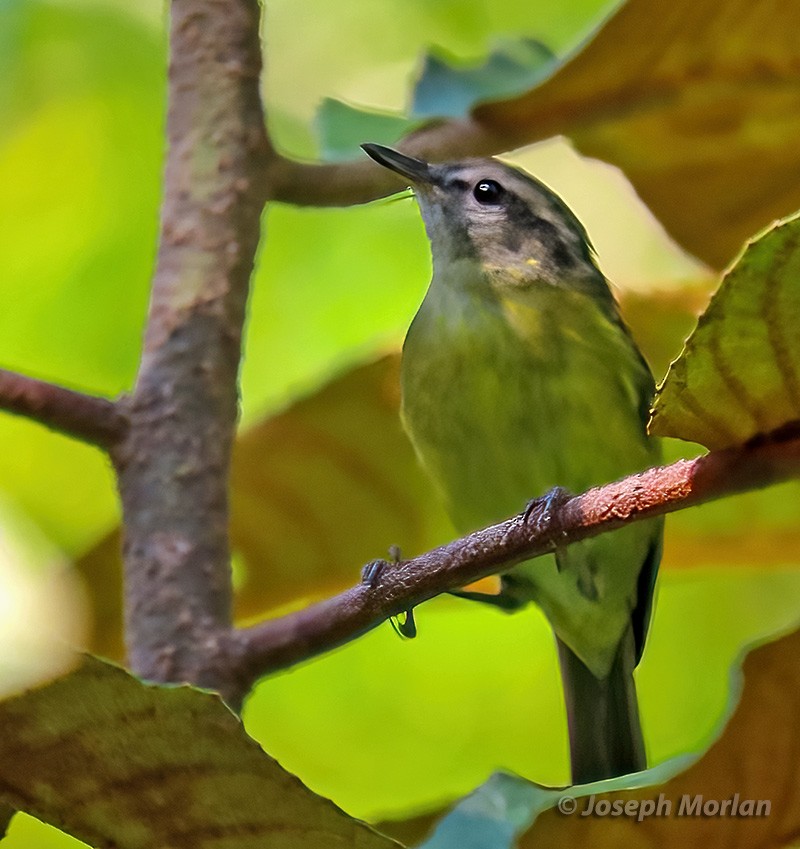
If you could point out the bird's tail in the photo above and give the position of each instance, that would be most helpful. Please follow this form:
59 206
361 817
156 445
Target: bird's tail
605 737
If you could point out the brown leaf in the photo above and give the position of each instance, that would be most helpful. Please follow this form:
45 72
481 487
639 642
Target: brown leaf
326 486
5 819
698 101
101 570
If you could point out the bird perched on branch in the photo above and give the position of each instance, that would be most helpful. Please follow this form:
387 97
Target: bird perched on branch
519 377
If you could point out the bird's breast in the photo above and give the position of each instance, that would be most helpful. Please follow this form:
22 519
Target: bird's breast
506 397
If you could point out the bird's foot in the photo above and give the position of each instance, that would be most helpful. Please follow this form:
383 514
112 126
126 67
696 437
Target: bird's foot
371 576
539 512
371 573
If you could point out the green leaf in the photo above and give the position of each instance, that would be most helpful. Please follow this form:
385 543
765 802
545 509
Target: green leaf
739 373
342 127
117 762
449 88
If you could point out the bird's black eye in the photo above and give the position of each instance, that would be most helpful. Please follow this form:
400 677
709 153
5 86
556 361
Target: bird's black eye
488 192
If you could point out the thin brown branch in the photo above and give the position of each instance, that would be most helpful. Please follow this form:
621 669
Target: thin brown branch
173 468
282 642
347 183
85 417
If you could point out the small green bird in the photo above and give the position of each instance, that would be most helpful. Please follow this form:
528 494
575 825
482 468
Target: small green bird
519 376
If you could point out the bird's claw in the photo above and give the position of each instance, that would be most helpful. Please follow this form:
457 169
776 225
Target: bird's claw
539 512
371 575
408 627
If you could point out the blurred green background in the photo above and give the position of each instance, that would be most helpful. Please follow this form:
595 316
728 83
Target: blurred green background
384 727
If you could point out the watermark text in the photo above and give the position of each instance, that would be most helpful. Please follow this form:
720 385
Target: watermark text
687 805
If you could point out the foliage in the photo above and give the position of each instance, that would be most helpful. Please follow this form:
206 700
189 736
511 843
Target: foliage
698 115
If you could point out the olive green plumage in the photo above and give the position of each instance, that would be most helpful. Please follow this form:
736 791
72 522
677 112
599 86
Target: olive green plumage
518 376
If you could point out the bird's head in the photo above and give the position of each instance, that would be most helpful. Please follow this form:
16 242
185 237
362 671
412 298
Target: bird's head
484 210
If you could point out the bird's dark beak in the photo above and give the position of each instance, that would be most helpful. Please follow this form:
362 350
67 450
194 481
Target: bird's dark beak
414 170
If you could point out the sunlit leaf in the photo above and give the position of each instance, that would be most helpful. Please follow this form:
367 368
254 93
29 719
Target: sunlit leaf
739 374
117 762
697 102
480 690
753 760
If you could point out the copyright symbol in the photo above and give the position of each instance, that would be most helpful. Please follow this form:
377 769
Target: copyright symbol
567 805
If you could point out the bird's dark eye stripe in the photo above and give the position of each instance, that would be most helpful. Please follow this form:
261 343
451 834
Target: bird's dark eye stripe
488 192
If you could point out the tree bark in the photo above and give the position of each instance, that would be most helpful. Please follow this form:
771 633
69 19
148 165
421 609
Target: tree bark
173 466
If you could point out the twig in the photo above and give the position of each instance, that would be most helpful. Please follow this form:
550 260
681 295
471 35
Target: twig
85 417
282 642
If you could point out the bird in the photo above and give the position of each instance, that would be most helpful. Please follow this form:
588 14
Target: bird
520 378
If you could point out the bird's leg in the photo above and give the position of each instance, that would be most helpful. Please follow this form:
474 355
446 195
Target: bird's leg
371 576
